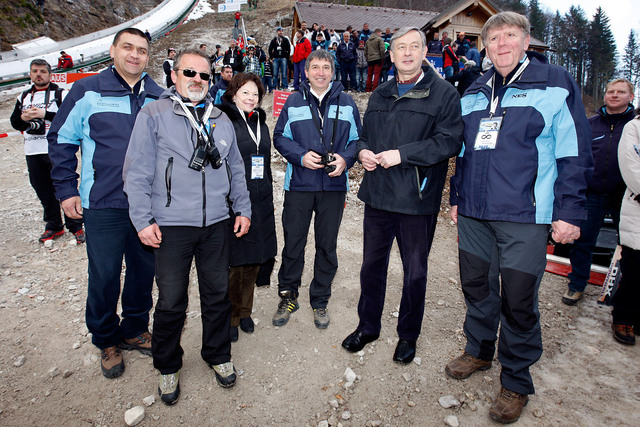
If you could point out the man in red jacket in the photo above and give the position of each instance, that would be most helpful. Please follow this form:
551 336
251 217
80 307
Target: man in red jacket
65 60
299 58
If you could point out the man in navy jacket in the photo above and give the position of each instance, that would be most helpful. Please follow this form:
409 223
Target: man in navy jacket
317 133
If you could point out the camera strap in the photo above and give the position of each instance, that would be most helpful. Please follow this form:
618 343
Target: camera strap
319 121
202 127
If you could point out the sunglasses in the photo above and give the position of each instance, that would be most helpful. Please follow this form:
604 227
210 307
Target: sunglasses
191 74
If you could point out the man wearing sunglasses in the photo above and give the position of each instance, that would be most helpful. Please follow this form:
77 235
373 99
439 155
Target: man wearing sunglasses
179 191
97 116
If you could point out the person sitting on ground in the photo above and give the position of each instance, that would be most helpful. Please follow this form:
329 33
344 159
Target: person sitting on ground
65 61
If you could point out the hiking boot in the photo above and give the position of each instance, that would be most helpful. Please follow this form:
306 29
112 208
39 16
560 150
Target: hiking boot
142 343
288 304
463 366
80 237
50 235
508 406
321 318
169 388
225 374
572 297
623 333
111 362
247 325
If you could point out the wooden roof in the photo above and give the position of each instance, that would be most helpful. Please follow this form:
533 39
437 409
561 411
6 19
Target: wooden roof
340 16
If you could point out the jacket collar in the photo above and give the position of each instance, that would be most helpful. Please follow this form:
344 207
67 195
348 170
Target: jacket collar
420 90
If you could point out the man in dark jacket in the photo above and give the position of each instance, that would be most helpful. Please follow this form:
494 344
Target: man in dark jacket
167 67
466 76
97 116
218 89
347 55
279 51
411 128
523 170
316 133
233 57
605 187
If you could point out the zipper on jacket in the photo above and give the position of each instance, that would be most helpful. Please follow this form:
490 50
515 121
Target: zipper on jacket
167 179
532 191
204 200
606 163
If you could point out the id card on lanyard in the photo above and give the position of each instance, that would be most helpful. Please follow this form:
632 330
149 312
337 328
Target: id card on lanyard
489 128
257 160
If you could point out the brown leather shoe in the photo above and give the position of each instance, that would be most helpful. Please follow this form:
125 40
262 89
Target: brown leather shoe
624 333
463 366
142 343
508 406
111 362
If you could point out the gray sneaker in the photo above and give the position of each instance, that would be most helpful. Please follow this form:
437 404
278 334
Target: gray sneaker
288 304
225 374
169 388
572 297
321 318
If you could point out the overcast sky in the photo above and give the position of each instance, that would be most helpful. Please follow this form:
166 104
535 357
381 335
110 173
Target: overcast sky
623 15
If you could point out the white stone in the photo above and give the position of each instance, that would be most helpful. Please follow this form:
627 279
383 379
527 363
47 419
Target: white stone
406 376
323 423
54 372
39 298
411 404
395 314
67 373
376 423
417 361
538 413
347 385
346 415
349 375
48 243
452 280
334 403
440 302
149 400
360 353
134 415
19 361
451 420
23 291
76 345
72 287
448 401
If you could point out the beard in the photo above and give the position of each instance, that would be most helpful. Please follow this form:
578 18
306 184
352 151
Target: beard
196 92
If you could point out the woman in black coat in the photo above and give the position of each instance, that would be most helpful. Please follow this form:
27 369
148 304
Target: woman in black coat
258 247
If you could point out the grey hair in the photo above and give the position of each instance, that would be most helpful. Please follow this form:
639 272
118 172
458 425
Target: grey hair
320 55
41 63
404 31
189 51
505 18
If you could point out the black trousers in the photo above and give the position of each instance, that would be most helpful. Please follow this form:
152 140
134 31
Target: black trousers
210 247
296 218
626 300
39 167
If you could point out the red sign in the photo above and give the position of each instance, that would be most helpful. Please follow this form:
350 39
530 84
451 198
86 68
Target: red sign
279 98
65 80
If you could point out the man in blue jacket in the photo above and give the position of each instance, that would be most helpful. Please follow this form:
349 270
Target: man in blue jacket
316 132
605 187
347 56
523 167
98 116
411 128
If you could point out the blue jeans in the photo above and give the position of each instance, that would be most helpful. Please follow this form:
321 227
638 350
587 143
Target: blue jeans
348 69
448 71
598 205
110 237
280 70
298 74
267 83
361 78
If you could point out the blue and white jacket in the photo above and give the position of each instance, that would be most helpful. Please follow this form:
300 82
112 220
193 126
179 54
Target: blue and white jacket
296 134
539 169
97 116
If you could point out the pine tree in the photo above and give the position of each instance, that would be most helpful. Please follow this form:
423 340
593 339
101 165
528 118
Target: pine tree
602 53
576 50
630 59
538 21
517 6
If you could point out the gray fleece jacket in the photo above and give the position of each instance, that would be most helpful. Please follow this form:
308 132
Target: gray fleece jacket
159 184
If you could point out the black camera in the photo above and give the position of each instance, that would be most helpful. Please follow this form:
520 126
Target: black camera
203 155
327 158
37 127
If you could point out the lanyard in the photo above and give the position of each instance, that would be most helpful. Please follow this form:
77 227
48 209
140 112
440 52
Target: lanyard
494 101
46 97
199 127
316 120
256 138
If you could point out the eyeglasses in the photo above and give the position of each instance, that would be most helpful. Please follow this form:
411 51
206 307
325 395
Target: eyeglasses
191 74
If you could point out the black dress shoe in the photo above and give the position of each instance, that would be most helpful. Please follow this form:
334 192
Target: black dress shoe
247 325
357 340
233 333
405 351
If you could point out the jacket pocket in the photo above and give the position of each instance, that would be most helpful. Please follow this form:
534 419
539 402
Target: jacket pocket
167 179
532 191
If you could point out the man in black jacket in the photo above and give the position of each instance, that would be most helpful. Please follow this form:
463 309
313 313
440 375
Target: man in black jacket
233 57
412 126
279 51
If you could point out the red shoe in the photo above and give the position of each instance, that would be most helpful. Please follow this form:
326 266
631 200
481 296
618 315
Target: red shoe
49 235
80 237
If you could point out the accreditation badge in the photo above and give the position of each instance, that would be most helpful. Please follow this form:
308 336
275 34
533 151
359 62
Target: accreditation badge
257 167
487 136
